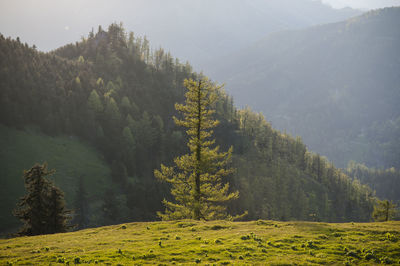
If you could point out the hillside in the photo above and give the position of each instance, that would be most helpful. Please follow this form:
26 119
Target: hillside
190 242
196 30
72 158
112 91
385 182
335 85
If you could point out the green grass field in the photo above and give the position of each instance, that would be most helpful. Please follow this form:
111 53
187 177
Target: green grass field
213 243
71 157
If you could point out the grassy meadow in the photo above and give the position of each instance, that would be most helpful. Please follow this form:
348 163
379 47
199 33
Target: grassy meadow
214 243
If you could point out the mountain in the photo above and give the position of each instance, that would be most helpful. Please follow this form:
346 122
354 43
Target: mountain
335 85
116 95
196 30
199 31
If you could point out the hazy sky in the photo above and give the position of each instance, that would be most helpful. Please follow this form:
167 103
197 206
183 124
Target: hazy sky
51 23
362 4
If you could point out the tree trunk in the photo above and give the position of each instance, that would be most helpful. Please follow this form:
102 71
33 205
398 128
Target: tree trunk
197 214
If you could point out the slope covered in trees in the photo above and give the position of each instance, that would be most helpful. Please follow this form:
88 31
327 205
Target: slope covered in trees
336 85
112 91
385 182
77 164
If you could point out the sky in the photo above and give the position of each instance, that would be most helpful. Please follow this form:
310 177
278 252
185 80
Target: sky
52 23
362 4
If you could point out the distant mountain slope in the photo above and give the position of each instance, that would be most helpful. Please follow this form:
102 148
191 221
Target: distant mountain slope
335 85
72 158
199 31
195 30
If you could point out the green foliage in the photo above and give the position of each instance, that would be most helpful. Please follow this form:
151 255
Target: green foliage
110 209
73 159
94 102
384 211
385 182
279 179
197 185
81 206
112 111
123 106
42 209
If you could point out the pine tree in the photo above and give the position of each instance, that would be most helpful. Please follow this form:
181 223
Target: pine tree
111 214
43 209
384 211
81 206
94 102
58 216
196 180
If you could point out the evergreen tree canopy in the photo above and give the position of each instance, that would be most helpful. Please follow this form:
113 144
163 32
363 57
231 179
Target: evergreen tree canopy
197 186
384 211
43 209
94 102
81 206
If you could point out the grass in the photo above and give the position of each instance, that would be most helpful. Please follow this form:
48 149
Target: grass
213 243
70 157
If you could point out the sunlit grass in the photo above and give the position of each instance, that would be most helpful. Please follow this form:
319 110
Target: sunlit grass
217 242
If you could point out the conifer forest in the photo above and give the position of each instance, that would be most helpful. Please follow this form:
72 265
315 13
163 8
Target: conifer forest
109 130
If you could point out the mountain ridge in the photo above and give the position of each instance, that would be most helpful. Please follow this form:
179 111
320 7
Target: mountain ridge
321 71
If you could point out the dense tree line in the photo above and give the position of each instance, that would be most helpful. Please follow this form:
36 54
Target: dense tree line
385 182
114 91
279 179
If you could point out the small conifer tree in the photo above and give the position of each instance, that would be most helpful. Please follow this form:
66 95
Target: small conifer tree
111 213
81 206
196 180
42 209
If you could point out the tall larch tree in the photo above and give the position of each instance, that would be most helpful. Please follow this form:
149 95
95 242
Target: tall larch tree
197 185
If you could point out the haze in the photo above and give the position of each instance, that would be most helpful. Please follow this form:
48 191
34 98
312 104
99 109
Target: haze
362 4
175 25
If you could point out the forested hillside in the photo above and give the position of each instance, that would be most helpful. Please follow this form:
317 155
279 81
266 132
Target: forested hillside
110 90
385 182
336 85
77 165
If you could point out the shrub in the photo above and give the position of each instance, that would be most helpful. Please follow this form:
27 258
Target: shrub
352 254
245 237
217 241
391 237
